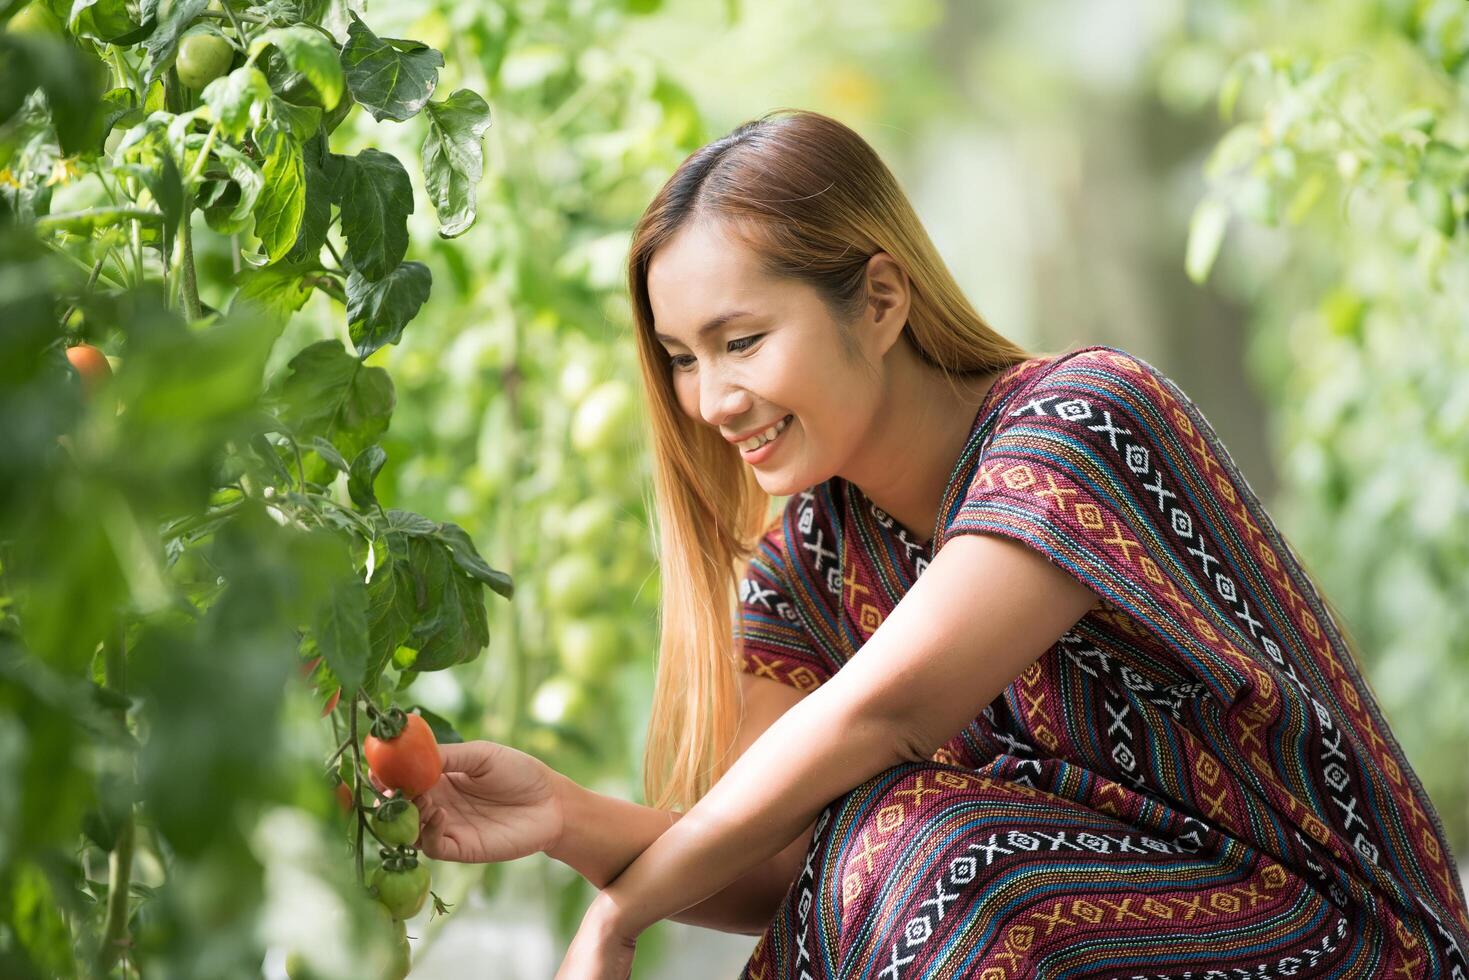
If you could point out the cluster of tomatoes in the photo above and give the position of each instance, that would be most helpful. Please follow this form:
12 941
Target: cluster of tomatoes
403 759
403 756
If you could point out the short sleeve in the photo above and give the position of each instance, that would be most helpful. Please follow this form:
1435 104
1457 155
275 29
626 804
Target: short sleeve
775 641
1095 462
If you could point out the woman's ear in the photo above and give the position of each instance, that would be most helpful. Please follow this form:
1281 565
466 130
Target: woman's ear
889 296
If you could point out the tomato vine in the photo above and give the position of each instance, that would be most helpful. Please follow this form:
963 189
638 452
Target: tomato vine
235 526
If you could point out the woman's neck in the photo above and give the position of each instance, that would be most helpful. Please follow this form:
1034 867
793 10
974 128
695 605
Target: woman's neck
918 434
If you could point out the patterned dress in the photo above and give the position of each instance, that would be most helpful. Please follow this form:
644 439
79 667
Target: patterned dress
1193 782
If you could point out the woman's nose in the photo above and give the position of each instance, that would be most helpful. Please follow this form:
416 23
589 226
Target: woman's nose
721 400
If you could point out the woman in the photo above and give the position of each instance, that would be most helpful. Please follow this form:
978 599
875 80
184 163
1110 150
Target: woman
1069 707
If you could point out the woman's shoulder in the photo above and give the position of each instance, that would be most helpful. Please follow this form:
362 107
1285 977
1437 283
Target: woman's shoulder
1070 382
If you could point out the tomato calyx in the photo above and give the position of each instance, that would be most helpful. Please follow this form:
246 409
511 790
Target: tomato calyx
401 883
395 822
388 725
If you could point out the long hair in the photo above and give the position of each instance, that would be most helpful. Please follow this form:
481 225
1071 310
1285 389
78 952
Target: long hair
814 202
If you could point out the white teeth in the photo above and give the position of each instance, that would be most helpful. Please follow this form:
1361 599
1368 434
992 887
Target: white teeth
755 442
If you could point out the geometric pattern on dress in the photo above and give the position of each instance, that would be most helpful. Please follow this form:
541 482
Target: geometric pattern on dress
1212 717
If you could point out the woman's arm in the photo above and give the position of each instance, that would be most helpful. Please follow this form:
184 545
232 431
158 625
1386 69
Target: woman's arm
603 835
983 611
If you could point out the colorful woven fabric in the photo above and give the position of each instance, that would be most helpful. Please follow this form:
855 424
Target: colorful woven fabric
1195 781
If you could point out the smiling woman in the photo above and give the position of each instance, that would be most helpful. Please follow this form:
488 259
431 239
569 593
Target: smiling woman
1071 705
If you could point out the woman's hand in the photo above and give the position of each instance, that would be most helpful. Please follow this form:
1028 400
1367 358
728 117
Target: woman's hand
493 803
601 949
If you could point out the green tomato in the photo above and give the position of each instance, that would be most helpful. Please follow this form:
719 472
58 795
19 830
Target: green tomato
558 700
203 57
402 892
604 417
589 524
396 822
573 582
297 968
588 646
577 376
400 955
35 19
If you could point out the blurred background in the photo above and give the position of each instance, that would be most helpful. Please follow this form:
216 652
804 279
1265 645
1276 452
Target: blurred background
1242 193
1264 200
1249 195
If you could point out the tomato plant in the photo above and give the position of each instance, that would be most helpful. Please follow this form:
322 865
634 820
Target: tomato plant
220 526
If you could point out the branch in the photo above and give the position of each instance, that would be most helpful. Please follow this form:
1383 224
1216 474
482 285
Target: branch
120 862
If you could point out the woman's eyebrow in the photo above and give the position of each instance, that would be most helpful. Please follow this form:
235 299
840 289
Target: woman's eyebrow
713 324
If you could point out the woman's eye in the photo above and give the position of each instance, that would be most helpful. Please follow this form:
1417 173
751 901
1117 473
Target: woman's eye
682 362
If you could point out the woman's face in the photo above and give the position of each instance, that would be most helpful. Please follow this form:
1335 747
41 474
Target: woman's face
782 360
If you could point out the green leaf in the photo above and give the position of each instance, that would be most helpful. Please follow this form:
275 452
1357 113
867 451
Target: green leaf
453 159
71 78
148 156
363 474
116 103
88 221
105 20
1205 234
378 311
457 628
391 78
316 213
283 202
444 732
330 393
275 292
341 629
247 177
467 557
302 120
238 100
170 18
328 452
409 523
309 52
377 199
392 595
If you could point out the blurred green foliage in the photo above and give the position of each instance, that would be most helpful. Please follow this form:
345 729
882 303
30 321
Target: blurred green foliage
1346 162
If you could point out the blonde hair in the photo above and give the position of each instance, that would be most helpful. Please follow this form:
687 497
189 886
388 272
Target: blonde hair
814 202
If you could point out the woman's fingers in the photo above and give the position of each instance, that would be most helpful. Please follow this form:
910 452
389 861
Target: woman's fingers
463 756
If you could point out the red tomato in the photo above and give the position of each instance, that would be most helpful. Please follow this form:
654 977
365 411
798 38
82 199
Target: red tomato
91 364
331 702
409 762
344 797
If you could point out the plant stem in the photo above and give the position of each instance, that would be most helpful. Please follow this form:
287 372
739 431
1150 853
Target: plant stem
357 791
198 168
91 281
346 744
191 281
120 862
231 15
240 31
